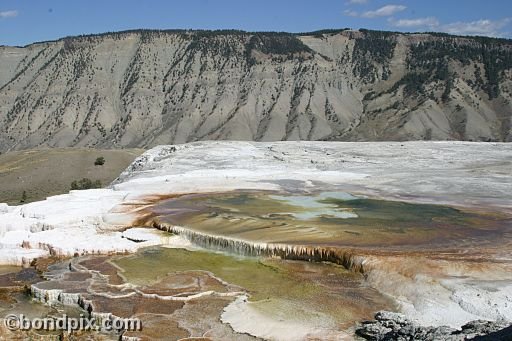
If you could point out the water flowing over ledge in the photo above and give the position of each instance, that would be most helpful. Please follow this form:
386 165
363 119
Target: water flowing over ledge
90 221
427 286
434 288
347 259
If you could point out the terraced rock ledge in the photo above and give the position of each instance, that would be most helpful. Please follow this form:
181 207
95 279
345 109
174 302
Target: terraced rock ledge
452 266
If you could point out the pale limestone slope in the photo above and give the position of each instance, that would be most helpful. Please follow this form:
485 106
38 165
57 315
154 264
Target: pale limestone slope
434 291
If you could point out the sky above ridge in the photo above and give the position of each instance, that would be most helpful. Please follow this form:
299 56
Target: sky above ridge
25 21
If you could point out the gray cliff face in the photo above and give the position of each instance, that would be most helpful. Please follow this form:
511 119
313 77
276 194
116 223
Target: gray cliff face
143 88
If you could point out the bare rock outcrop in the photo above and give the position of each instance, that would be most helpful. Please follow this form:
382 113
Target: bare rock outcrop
393 326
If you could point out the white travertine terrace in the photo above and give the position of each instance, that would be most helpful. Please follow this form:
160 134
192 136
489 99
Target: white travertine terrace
472 175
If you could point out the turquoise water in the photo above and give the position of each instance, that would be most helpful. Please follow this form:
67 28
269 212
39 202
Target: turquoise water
316 206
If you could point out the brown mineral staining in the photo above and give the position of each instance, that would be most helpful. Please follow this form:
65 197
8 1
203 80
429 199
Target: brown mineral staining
102 264
158 327
320 264
41 264
104 290
125 307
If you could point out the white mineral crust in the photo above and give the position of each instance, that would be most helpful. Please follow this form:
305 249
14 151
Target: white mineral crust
477 175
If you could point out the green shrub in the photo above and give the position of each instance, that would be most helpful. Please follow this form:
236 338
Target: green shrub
23 197
100 161
85 183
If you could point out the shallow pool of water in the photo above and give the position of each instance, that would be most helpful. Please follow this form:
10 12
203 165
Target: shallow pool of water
329 218
301 291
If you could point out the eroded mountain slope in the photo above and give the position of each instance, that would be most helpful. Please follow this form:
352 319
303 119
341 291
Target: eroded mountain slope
143 88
